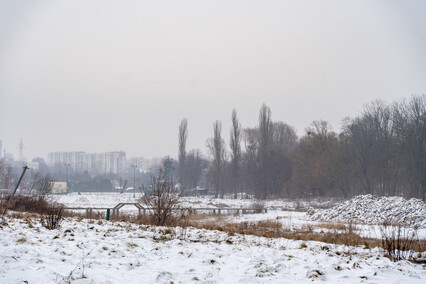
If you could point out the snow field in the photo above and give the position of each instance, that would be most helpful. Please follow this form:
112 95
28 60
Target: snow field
115 252
283 210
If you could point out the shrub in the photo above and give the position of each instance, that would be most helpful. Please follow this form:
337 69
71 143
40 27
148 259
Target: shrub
32 204
52 218
398 241
162 202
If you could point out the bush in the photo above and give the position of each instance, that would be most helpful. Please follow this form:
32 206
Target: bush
32 204
399 242
53 216
162 202
51 213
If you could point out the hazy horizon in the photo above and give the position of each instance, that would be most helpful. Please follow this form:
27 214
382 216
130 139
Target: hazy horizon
107 76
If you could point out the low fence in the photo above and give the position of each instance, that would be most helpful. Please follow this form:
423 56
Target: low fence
143 210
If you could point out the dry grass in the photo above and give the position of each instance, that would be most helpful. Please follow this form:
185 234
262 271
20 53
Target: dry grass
25 203
336 234
21 240
332 233
21 206
202 217
333 226
400 242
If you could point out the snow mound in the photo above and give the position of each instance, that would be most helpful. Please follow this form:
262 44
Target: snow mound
370 209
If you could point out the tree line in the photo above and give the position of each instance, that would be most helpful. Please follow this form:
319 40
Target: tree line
382 151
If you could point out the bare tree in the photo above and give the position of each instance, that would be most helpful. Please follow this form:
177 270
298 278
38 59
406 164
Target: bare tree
169 167
235 145
382 151
183 135
43 185
193 168
410 124
371 137
217 149
163 201
266 164
265 139
249 163
316 162
284 137
279 164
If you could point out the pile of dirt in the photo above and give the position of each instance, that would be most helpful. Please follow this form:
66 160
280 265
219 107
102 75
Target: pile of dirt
370 209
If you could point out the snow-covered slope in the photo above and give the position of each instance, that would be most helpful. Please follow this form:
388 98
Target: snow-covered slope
106 252
370 209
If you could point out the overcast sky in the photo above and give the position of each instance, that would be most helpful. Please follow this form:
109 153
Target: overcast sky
100 76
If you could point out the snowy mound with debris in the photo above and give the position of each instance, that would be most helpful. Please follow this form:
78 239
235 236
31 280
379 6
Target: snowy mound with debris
370 209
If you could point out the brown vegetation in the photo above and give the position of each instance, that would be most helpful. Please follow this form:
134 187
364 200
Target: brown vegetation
51 213
400 242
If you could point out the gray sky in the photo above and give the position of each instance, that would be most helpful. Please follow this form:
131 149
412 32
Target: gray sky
100 76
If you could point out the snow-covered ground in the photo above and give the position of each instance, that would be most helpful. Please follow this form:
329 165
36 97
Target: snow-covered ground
112 252
99 251
92 199
103 200
281 210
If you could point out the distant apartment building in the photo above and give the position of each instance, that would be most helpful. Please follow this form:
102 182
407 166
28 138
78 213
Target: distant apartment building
114 162
144 165
74 159
92 163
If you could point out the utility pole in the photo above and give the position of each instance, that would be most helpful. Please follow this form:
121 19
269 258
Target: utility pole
134 180
16 188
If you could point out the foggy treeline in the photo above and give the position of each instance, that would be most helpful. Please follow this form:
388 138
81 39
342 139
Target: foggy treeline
382 151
